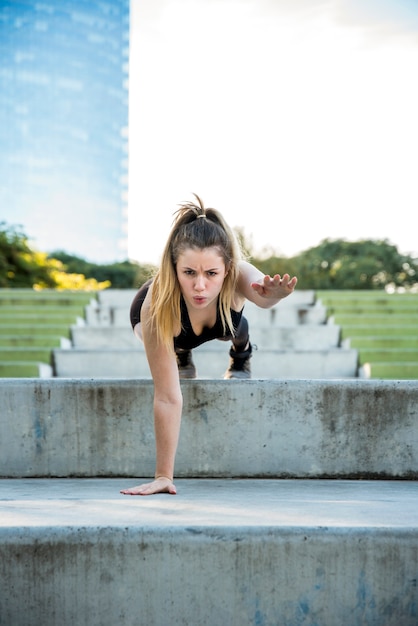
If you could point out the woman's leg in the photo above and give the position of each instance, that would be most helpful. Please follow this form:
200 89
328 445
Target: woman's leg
240 353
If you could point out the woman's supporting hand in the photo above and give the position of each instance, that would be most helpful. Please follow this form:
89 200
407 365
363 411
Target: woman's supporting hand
163 484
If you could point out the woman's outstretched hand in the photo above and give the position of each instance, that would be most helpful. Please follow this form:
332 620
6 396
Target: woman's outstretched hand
159 485
277 287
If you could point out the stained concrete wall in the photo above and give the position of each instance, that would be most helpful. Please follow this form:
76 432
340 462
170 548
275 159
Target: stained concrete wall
288 428
222 576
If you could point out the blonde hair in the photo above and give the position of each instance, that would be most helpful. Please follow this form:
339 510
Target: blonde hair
196 227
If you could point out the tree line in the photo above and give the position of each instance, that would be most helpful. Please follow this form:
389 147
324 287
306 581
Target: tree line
333 264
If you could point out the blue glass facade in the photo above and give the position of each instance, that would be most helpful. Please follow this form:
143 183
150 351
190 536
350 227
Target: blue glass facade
64 124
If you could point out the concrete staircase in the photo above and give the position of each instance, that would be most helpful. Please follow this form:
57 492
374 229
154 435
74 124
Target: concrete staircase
293 339
297 505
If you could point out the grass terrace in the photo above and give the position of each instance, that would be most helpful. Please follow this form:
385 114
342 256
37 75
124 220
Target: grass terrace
32 323
383 327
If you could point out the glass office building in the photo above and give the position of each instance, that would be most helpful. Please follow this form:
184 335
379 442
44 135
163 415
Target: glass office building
64 124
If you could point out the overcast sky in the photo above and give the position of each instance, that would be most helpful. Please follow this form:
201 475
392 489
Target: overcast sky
296 118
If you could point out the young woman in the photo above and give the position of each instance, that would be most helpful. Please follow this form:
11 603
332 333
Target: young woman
197 295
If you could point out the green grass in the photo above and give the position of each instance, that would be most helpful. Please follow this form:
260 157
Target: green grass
18 370
35 341
395 371
42 355
376 319
382 327
21 330
354 330
385 341
32 324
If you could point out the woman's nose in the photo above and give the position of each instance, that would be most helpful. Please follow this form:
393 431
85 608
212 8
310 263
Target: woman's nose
199 283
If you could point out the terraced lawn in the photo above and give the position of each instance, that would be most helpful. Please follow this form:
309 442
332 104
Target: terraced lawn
32 323
382 327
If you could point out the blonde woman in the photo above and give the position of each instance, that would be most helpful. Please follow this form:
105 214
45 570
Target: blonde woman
197 295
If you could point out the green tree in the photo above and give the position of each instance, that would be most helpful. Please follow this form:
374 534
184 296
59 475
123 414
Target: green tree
364 264
121 275
20 266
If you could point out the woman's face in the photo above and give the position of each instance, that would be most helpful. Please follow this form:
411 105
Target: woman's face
201 274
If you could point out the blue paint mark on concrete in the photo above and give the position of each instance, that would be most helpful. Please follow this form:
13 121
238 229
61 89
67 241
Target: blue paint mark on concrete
259 616
39 429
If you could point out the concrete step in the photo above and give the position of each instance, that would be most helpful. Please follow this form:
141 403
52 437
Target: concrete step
308 337
98 315
123 297
112 309
254 428
220 553
210 361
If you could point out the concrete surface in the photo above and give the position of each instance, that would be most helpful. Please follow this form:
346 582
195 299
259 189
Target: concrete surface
112 309
220 553
265 428
211 362
301 337
293 338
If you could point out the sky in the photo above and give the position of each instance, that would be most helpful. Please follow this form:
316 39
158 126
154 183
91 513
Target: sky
297 119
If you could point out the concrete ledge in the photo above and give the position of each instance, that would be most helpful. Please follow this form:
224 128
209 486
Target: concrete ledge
211 361
302 337
255 428
112 309
230 553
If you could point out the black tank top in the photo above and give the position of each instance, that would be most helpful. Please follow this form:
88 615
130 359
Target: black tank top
187 340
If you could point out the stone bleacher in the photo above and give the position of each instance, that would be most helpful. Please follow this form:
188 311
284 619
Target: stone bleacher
297 504
293 340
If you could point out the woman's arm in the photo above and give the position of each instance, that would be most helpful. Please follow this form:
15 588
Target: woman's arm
264 291
168 404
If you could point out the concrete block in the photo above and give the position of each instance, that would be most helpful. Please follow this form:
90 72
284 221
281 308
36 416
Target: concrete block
285 314
230 553
112 309
211 362
302 337
265 428
116 297
124 297
96 337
